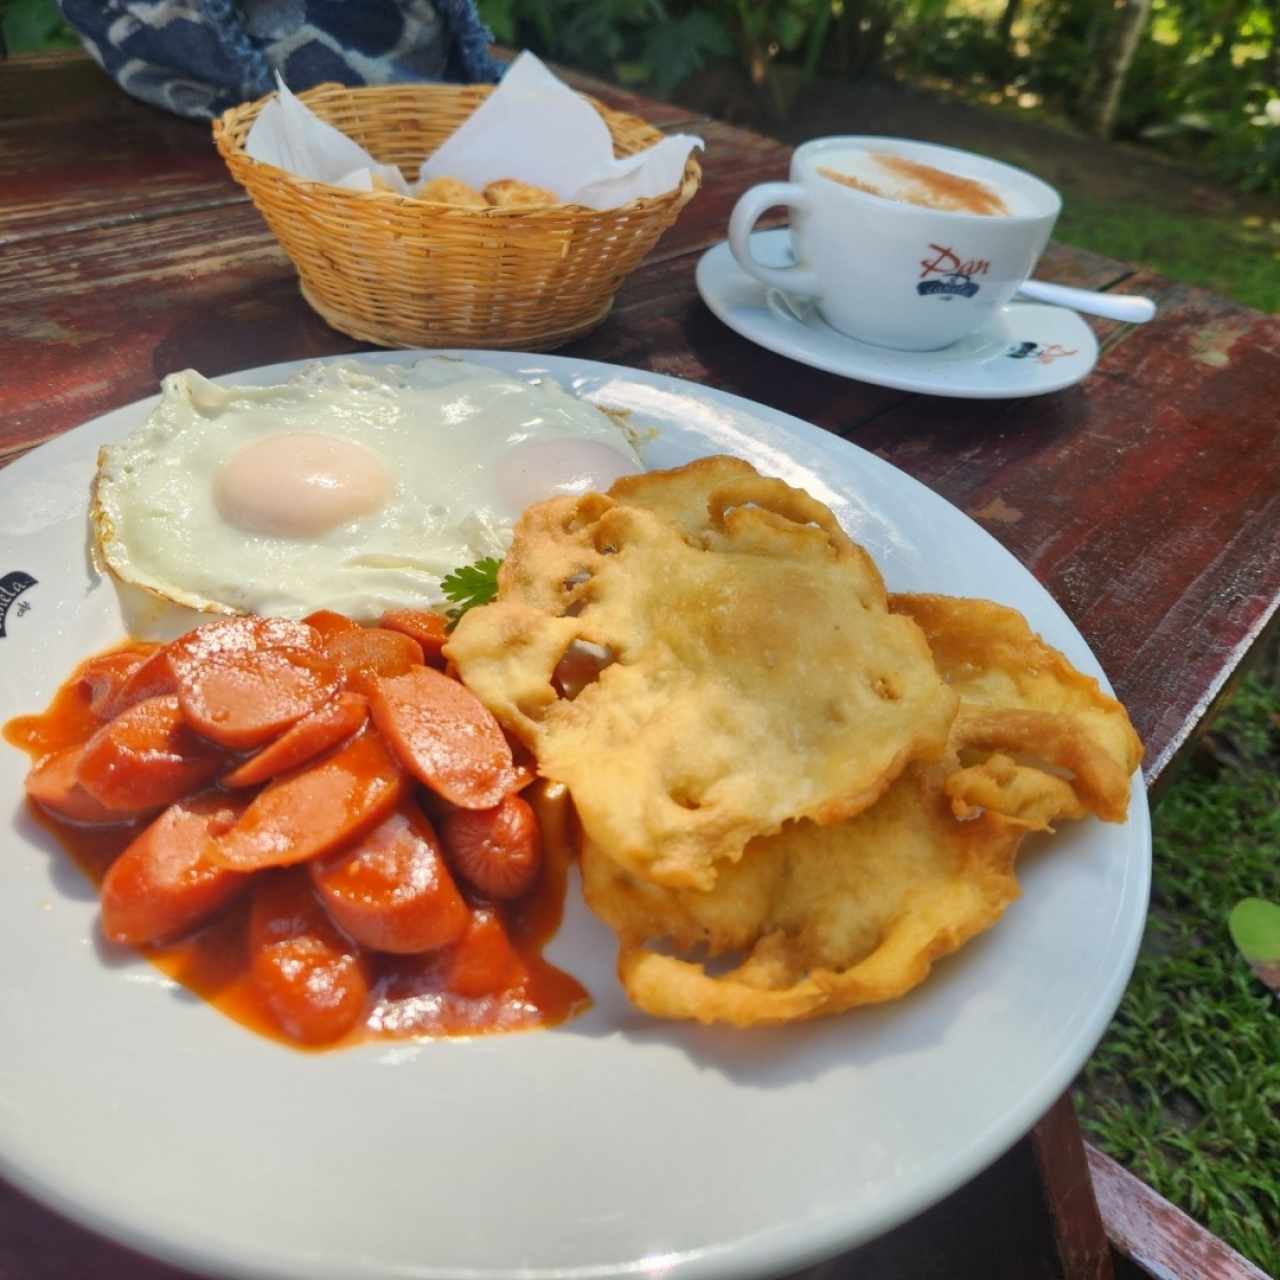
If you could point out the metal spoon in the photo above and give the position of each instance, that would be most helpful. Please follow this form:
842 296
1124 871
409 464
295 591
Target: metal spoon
1113 307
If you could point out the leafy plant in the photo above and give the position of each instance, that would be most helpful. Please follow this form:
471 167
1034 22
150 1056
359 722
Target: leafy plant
661 44
1255 929
675 50
28 26
1201 76
631 41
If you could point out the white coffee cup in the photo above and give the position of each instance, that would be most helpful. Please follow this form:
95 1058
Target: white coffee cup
897 274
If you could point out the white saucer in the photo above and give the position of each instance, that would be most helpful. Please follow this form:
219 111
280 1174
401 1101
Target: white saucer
1029 350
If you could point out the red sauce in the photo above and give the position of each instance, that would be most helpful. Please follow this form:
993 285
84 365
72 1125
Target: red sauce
410 994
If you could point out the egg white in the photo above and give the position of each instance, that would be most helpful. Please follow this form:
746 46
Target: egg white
466 448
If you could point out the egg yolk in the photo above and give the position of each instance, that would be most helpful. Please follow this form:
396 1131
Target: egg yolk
300 484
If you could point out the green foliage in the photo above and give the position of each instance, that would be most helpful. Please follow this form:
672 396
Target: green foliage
660 44
674 50
1185 1087
1248 157
631 41
28 26
1199 85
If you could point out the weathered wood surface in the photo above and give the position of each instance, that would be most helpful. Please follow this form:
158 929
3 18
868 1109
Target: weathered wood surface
1157 1236
75 151
1146 498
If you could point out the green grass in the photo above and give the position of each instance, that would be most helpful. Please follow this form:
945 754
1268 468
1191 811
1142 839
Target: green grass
1239 256
1185 1088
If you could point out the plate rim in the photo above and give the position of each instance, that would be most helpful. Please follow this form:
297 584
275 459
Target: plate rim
789 1245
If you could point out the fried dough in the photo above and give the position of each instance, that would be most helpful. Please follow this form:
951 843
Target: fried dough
826 918
758 676
1019 695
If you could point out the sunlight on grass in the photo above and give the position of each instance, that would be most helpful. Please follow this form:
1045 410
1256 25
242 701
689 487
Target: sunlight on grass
1185 1088
1219 254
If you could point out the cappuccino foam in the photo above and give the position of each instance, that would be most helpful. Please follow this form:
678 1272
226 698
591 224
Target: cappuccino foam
896 177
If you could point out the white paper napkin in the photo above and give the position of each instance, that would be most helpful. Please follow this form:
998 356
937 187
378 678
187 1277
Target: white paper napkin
533 127
289 135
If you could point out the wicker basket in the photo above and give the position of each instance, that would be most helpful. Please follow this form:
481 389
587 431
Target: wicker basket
404 273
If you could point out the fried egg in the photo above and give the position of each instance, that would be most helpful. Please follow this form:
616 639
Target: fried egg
352 487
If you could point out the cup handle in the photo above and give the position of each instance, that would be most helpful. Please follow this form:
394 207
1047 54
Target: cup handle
746 213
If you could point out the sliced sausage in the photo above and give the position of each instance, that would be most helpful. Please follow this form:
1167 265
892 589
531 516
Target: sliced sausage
391 890
444 736
313 735
163 884
146 758
315 810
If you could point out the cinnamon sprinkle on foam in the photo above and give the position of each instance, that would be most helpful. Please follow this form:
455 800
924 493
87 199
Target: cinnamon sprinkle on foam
925 186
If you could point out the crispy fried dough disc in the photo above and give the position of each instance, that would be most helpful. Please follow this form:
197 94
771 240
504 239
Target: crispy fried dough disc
758 675
826 918
1020 696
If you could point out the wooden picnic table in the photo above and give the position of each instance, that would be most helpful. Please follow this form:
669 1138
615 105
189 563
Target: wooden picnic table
1146 499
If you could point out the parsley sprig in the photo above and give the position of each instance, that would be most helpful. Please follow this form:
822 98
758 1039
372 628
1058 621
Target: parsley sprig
472 585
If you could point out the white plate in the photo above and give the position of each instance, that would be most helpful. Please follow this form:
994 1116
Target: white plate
1029 351
614 1145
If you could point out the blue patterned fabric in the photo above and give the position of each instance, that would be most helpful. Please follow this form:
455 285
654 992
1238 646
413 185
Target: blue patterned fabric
198 57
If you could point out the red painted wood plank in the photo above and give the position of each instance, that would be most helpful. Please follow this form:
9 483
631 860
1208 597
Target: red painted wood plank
76 149
1080 268
1076 1229
102 315
1157 1235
